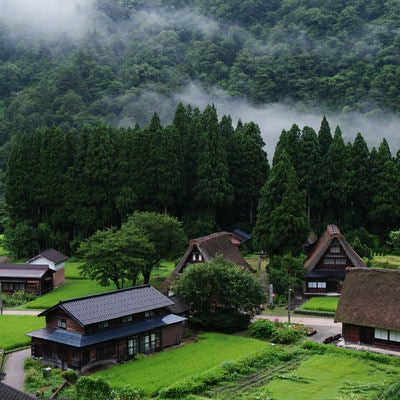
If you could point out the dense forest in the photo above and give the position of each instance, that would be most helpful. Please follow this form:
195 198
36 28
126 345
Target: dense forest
90 121
203 170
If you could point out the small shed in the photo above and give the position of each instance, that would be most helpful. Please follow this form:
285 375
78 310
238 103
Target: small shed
56 262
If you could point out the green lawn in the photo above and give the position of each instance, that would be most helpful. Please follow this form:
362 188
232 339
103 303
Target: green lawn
71 289
327 304
329 376
157 371
14 327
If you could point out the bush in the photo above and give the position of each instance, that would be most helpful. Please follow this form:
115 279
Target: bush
17 298
31 363
93 389
262 328
393 392
70 376
126 393
287 335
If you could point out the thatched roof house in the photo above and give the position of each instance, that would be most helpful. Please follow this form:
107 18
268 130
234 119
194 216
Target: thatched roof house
204 249
325 267
369 307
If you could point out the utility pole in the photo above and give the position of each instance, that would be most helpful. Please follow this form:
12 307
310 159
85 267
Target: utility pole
1 301
289 303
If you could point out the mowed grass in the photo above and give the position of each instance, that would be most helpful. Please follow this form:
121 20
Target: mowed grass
14 327
326 304
329 376
162 369
71 289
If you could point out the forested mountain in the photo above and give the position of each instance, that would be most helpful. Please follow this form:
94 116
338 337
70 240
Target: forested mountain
128 57
71 76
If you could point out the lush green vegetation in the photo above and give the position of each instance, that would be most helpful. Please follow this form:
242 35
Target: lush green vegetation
327 304
389 261
231 367
14 327
160 370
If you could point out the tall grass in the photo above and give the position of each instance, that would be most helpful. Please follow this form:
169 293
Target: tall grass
325 304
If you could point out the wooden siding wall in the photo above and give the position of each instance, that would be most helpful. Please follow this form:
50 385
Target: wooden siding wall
58 278
351 333
172 335
72 325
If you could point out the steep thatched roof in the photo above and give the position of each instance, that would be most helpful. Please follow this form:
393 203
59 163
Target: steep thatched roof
370 297
332 233
210 246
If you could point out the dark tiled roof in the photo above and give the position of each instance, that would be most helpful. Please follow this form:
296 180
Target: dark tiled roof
22 271
210 246
9 393
76 340
332 233
104 307
51 254
241 235
370 297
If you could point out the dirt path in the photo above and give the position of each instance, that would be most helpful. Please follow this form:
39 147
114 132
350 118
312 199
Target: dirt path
15 373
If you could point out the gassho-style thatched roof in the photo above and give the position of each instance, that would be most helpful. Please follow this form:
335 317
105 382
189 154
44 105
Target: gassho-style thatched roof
210 246
332 233
370 297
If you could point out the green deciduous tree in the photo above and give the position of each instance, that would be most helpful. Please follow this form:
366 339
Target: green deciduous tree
219 286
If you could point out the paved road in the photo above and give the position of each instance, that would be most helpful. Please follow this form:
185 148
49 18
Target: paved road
14 368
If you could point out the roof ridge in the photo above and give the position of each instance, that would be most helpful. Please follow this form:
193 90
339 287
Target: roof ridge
103 294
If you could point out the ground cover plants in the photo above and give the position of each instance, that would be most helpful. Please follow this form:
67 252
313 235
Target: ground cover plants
14 327
324 304
226 367
389 261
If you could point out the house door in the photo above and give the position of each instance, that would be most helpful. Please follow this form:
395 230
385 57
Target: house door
366 335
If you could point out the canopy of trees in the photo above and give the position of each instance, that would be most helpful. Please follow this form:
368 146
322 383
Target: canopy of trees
119 256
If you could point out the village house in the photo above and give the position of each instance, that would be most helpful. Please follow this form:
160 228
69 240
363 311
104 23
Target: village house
89 331
56 262
369 308
325 267
32 279
204 249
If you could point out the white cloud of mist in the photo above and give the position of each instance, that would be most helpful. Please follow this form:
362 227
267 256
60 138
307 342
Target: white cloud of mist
48 18
273 118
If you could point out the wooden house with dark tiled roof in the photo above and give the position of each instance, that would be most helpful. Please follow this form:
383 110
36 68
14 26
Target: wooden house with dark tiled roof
369 307
89 331
204 249
325 266
9 393
56 262
33 279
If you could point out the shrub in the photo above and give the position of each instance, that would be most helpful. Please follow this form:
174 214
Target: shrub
93 389
126 393
70 376
287 335
262 328
30 363
393 392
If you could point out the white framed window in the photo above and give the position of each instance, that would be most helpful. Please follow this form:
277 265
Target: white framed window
321 285
394 336
329 261
335 249
312 285
381 334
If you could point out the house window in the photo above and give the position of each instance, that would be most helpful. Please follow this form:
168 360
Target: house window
312 285
321 285
132 346
382 334
13 286
394 336
329 261
62 323
149 314
103 324
105 352
335 249
127 318
340 261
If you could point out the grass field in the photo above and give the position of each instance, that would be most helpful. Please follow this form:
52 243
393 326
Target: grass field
160 370
14 327
327 304
388 261
329 376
